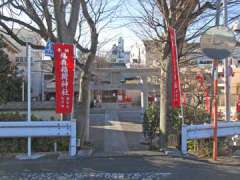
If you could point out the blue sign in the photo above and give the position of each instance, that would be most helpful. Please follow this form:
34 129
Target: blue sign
48 51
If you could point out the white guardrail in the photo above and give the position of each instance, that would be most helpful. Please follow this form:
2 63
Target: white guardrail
206 131
41 129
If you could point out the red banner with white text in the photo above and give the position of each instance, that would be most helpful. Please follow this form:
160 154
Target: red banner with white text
176 99
64 76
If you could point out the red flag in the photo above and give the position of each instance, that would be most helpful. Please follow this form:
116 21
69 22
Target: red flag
176 102
238 105
64 76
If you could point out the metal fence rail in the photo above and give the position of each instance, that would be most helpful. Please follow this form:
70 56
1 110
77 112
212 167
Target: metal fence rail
41 129
206 131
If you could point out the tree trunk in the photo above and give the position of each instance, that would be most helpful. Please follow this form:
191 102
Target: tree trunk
165 96
84 111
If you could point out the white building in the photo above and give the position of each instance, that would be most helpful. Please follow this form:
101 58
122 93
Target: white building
145 53
19 59
118 54
138 53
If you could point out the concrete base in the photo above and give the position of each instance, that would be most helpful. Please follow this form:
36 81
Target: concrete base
32 157
85 153
64 156
173 152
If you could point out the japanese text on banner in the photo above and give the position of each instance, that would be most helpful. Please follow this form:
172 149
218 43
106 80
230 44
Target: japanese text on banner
64 76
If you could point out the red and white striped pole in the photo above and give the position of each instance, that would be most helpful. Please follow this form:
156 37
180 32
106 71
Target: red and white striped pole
215 107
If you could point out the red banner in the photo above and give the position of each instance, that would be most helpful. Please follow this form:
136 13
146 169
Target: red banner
64 76
176 102
238 105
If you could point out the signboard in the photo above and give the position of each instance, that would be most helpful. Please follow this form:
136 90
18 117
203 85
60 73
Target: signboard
176 103
48 51
218 42
64 76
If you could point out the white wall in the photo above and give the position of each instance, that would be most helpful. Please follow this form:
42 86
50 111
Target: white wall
138 52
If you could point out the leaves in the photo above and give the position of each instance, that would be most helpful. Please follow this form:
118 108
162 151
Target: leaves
151 122
10 85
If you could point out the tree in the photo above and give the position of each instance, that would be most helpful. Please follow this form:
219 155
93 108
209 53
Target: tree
10 85
151 123
195 89
67 21
190 18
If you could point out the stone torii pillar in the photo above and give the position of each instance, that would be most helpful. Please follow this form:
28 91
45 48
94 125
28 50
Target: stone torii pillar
144 93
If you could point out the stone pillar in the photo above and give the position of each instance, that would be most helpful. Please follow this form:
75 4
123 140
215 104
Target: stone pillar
144 93
184 139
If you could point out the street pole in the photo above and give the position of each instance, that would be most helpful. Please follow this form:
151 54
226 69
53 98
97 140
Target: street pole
42 89
215 92
42 81
226 74
215 122
23 89
29 93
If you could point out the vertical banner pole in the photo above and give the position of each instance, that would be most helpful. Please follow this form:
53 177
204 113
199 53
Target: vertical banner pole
28 52
215 122
64 55
74 62
176 88
179 85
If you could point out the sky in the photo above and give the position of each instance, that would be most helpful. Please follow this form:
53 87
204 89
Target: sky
121 27
112 32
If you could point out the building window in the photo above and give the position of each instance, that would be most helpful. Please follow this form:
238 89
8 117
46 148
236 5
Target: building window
135 61
21 59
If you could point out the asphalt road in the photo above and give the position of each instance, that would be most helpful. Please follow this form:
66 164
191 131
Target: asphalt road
152 167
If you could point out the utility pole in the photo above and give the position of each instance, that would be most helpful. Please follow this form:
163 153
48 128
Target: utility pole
215 110
226 74
23 87
28 53
215 92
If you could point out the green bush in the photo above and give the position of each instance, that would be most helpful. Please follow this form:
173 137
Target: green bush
174 124
196 116
151 123
16 117
204 147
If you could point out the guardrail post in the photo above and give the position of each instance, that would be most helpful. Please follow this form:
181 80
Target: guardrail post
73 139
184 139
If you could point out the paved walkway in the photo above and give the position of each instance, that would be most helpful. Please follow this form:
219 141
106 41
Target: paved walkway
114 138
117 133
